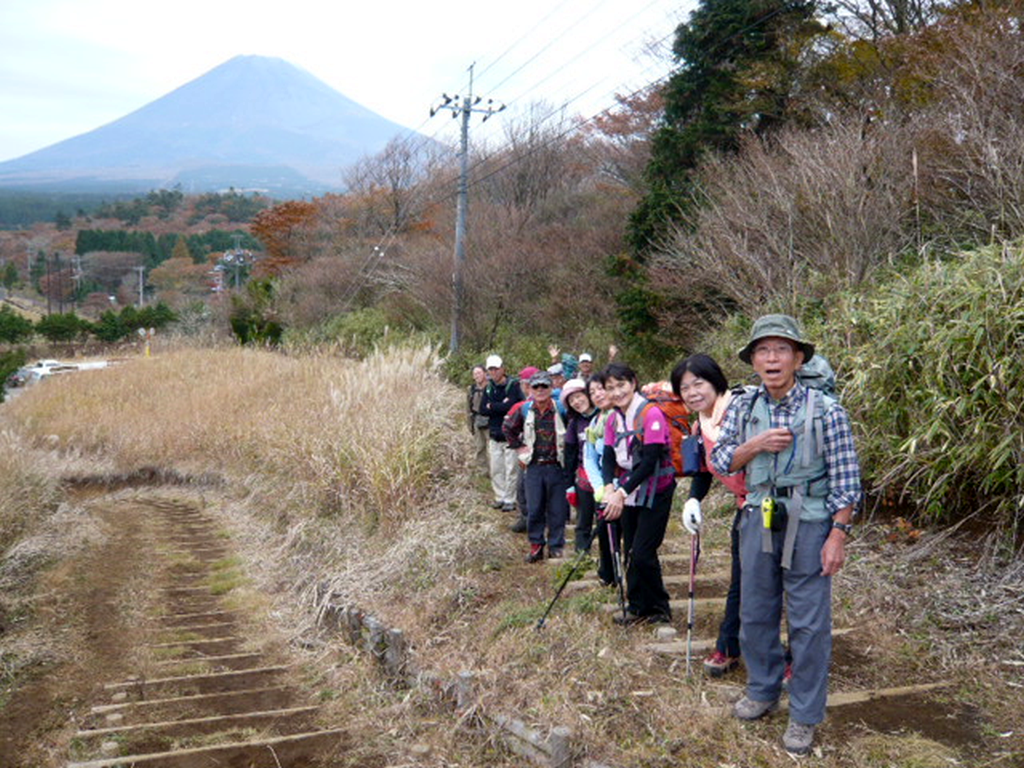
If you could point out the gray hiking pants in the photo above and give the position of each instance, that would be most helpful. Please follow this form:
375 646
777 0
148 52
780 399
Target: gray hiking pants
808 597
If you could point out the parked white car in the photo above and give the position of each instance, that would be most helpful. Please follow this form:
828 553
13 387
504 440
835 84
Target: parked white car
42 368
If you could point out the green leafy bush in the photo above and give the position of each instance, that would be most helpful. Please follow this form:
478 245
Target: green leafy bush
13 327
66 326
930 368
935 379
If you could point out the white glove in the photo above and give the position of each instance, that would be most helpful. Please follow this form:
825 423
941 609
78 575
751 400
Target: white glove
692 519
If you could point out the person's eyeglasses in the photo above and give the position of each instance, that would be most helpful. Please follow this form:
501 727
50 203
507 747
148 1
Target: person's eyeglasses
541 386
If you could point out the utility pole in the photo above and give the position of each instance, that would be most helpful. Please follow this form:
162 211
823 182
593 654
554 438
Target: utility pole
467 107
142 284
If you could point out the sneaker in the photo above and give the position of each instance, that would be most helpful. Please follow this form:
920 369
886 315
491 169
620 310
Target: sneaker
519 526
717 664
787 675
497 504
536 553
748 709
508 506
554 553
798 738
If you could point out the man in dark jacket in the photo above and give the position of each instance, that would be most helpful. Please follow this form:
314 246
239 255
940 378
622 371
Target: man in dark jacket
479 424
501 394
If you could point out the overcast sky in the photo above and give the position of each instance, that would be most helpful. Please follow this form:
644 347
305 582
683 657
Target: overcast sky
68 66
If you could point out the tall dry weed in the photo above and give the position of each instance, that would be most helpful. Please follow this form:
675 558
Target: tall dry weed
28 488
365 439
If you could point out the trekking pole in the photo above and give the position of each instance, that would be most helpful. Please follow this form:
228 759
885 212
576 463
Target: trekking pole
568 577
617 568
694 554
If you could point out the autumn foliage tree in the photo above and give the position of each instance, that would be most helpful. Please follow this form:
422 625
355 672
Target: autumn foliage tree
283 230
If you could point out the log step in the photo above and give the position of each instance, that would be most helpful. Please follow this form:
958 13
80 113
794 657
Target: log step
302 749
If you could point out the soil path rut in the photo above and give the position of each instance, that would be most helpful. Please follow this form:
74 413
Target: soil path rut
170 670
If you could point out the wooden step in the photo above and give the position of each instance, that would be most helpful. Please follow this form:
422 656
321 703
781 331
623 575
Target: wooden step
208 683
670 580
302 749
213 663
297 718
226 703
202 630
181 619
678 647
680 607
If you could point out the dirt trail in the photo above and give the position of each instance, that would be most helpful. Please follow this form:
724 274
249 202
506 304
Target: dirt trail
167 668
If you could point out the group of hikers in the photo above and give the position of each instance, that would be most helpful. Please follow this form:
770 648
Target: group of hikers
598 441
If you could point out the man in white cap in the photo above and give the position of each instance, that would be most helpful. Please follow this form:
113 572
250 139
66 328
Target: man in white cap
586 366
501 394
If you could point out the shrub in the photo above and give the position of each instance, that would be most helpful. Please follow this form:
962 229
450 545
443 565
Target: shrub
929 367
63 327
13 327
936 381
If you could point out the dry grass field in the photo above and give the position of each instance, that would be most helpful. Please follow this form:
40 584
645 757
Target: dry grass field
353 478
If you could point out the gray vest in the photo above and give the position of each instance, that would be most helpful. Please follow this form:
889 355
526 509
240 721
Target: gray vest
798 473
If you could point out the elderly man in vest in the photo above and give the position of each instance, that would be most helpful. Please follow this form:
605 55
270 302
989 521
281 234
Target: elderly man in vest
536 431
803 485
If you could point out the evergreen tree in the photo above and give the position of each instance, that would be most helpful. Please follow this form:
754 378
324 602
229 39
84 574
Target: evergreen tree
62 327
739 66
10 275
181 250
14 328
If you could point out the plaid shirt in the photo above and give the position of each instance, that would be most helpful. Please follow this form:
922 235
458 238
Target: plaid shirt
844 488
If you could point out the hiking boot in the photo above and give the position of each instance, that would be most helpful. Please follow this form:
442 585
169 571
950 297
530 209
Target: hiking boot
798 738
717 664
555 553
519 526
748 709
627 619
536 553
632 619
508 506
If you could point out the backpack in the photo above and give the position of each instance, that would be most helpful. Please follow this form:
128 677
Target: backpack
525 406
816 373
510 381
660 394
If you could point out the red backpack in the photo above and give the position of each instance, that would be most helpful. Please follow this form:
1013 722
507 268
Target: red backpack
660 393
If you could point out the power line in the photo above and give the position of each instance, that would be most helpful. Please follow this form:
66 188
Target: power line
377 253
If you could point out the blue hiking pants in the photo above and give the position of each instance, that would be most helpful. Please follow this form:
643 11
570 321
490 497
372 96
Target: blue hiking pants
808 598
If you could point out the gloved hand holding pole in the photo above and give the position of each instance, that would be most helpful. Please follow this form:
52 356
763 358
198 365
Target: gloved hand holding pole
692 519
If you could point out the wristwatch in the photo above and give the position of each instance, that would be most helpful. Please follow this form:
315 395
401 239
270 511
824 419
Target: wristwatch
846 528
